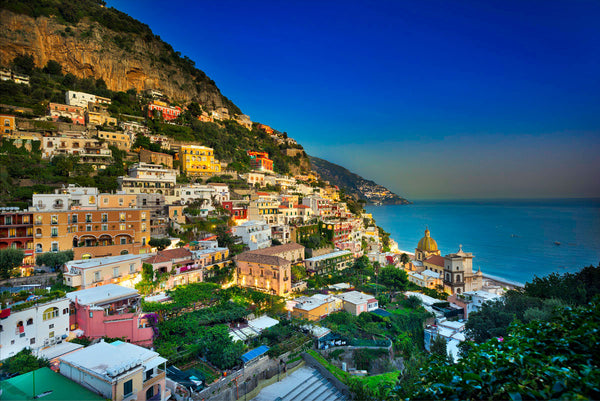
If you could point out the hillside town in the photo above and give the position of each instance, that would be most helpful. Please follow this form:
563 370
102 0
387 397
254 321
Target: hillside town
156 247
102 272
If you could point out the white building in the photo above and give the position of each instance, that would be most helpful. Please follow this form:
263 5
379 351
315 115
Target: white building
255 234
118 371
122 269
81 99
150 179
40 325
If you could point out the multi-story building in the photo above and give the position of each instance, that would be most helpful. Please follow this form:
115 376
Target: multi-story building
110 310
147 156
292 252
8 124
119 139
426 278
267 273
167 112
16 231
254 234
198 160
134 127
123 270
356 302
75 113
81 99
281 233
329 262
34 324
149 179
164 141
119 371
254 179
89 150
91 233
237 209
458 273
9 75
265 209
260 161
95 118
265 128
244 121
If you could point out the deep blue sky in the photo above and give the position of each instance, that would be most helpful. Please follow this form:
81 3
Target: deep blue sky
434 99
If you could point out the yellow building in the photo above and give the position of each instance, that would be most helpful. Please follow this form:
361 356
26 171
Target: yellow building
426 247
198 160
94 119
8 124
118 139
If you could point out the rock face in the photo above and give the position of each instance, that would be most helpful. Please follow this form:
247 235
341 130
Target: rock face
124 61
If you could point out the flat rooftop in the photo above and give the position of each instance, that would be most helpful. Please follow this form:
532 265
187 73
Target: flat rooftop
329 256
102 294
58 387
89 263
355 297
111 359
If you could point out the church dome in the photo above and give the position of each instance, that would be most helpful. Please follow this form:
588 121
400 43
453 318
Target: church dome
427 243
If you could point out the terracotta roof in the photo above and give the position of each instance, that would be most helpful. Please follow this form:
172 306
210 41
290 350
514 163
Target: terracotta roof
156 259
302 207
263 259
435 260
278 249
177 253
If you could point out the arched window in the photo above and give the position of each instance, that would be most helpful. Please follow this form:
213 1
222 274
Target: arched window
29 322
50 313
38 248
458 278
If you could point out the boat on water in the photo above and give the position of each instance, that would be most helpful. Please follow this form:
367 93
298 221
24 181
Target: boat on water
556 243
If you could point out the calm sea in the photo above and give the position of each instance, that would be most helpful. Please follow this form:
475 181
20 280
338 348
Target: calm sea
513 239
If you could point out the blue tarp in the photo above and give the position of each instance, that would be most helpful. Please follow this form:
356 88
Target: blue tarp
256 352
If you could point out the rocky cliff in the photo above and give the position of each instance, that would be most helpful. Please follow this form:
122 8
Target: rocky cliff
124 60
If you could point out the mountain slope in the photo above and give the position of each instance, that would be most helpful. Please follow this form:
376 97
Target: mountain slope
354 184
90 40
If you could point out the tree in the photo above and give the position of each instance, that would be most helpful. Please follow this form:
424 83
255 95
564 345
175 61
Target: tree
404 259
23 362
53 67
54 259
393 278
9 259
23 64
439 346
160 243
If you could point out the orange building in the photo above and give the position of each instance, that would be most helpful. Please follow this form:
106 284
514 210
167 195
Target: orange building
92 233
147 156
260 161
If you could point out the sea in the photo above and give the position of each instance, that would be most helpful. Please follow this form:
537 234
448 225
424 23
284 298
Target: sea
510 239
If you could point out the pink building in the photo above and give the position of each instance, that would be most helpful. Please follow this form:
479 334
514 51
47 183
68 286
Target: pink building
110 310
75 113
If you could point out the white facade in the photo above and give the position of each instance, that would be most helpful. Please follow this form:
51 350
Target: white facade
81 99
191 193
255 234
41 325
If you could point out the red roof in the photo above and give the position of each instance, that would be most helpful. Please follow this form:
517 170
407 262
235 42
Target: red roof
435 260
177 253
156 259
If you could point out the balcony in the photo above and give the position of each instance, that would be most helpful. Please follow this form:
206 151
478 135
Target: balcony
154 379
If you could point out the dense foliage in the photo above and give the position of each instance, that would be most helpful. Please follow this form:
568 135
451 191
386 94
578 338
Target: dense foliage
554 359
9 259
22 362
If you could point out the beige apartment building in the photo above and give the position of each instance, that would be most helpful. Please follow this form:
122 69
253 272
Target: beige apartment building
118 139
123 270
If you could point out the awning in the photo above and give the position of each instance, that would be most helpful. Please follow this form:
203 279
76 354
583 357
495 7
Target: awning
154 362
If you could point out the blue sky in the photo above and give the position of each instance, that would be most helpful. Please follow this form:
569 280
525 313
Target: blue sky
433 99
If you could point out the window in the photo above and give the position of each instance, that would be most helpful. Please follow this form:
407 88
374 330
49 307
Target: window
121 216
51 334
54 247
50 313
104 227
54 219
88 218
65 311
122 227
74 218
105 200
148 374
123 240
51 326
54 232
29 322
127 388
96 276
104 217
144 216
88 227
8 220
121 201
131 267
115 272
